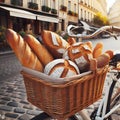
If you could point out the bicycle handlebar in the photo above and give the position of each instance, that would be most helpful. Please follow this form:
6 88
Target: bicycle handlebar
71 29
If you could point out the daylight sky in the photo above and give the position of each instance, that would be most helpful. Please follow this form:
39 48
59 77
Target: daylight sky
109 3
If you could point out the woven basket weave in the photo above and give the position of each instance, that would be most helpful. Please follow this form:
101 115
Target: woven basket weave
64 100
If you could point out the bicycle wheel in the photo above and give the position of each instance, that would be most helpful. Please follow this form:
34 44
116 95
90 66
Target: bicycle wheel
113 100
45 116
42 116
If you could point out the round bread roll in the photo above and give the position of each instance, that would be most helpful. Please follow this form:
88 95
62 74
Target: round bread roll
54 43
61 68
103 60
110 53
80 53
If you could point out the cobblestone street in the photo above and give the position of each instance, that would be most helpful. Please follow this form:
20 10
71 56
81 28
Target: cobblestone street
13 102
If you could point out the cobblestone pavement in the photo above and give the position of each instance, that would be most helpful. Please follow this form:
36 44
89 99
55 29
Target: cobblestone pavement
13 102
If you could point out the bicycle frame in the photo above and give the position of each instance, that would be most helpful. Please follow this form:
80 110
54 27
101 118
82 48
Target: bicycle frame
103 104
101 113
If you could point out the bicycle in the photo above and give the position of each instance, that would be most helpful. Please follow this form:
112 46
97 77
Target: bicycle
106 108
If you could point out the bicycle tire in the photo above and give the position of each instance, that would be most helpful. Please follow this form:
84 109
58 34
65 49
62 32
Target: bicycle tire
113 100
45 116
42 116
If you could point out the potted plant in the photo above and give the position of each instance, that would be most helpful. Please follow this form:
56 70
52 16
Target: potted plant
46 8
70 13
76 14
63 8
54 11
33 5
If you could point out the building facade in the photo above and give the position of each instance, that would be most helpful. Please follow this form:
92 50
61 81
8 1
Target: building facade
54 15
114 14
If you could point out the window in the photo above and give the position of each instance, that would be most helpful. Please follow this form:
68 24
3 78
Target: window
85 15
69 5
45 2
62 2
81 13
53 4
75 9
33 1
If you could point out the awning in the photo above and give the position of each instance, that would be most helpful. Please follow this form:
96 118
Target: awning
47 19
19 13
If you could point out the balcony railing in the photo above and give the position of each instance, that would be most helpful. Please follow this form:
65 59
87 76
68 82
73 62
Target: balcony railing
33 5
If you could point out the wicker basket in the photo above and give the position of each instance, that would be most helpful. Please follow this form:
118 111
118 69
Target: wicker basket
63 100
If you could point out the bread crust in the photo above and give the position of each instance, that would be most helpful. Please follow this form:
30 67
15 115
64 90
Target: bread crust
42 53
103 60
54 43
22 50
97 51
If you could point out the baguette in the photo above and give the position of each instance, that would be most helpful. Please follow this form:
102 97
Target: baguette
22 50
97 51
42 53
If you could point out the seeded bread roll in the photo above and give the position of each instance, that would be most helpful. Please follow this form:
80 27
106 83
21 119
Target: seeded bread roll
54 43
23 51
42 53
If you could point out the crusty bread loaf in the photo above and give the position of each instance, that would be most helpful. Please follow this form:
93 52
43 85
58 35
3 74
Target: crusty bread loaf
103 60
54 43
42 53
93 64
60 68
22 50
110 53
97 51
80 53
89 43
